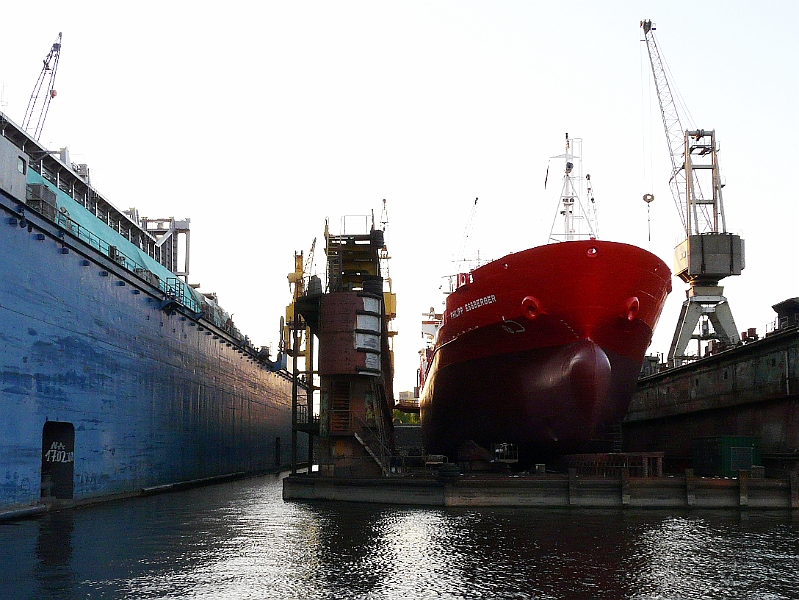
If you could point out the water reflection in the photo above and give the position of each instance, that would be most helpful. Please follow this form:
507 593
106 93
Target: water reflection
240 540
53 571
718 556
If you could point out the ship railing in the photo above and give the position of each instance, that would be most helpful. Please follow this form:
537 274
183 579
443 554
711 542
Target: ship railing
43 203
47 174
507 453
433 461
174 288
635 464
408 404
303 417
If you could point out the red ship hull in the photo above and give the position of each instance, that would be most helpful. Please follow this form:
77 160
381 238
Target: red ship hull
542 348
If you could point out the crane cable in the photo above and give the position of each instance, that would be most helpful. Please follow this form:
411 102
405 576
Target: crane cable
646 151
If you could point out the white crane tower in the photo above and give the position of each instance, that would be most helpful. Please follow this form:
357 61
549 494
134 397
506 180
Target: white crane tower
708 253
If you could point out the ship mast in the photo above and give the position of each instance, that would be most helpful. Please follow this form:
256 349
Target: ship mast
574 215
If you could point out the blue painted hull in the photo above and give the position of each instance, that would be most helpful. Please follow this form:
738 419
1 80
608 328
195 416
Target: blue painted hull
153 396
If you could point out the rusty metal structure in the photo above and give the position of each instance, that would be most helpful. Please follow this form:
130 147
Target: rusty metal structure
351 366
751 390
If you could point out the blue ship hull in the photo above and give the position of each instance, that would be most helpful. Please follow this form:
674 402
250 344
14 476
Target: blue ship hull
107 389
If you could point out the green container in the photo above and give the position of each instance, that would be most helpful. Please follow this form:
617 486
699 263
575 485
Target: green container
725 455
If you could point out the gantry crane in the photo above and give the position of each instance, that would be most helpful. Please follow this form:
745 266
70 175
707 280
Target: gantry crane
709 253
39 102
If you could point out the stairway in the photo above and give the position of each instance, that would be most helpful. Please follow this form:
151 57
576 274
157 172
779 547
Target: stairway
375 455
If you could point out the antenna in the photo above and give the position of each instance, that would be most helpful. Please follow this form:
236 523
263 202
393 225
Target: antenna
570 207
461 259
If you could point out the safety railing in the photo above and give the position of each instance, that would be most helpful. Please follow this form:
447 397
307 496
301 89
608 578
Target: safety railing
375 441
173 288
303 417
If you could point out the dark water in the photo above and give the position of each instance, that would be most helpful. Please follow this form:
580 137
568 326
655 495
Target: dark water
240 540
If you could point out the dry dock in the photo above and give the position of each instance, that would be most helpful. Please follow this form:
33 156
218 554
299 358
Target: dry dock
683 491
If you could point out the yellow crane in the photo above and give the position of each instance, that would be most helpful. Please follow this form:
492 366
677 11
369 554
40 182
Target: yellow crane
297 284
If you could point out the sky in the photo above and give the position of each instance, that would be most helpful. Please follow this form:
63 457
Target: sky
259 120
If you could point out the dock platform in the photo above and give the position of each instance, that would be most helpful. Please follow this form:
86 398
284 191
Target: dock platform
552 490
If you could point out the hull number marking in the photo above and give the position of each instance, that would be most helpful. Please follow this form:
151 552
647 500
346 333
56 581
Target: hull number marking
58 453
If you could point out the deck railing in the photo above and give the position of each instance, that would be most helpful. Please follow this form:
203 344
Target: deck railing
173 287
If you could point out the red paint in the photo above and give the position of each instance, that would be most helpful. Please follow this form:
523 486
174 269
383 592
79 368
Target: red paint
543 345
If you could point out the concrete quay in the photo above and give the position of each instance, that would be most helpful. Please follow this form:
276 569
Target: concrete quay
683 491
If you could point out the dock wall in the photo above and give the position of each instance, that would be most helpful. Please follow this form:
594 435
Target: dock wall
684 491
105 389
751 390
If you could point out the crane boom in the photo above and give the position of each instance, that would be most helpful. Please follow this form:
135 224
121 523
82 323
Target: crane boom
694 160
308 266
708 253
675 136
40 103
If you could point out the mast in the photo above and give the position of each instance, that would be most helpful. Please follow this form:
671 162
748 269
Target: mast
574 216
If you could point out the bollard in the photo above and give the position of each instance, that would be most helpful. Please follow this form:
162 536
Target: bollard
690 487
625 486
743 488
572 486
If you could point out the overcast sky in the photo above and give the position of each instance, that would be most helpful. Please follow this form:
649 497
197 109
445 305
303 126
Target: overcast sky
259 120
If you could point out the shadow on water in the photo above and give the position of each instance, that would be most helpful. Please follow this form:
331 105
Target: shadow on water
352 552
53 572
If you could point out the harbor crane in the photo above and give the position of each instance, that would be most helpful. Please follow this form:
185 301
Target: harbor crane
709 252
39 102
298 281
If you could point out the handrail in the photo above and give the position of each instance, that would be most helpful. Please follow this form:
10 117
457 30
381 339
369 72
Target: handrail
173 288
303 417
385 451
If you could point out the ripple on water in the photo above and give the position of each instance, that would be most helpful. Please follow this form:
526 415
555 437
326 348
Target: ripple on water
240 540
